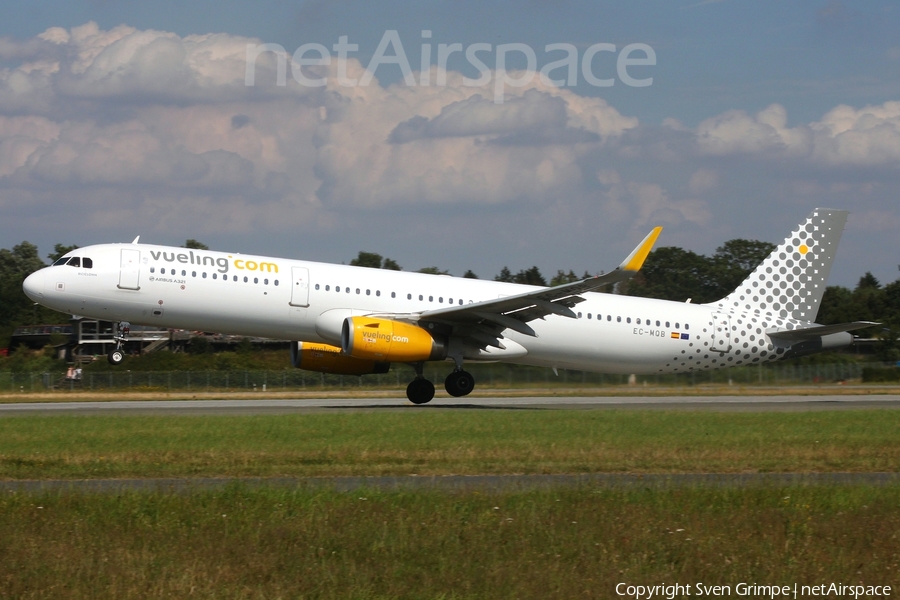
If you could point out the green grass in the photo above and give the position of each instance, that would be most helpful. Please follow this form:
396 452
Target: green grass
448 442
567 543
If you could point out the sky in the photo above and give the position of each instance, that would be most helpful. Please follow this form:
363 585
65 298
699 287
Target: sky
462 135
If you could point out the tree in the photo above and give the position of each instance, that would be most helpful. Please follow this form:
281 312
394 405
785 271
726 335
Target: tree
15 266
374 261
469 274
432 271
391 265
530 276
505 275
671 273
60 250
562 277
195 245
732 264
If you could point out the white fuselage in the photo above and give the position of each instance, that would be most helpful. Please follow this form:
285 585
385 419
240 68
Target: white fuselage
290 299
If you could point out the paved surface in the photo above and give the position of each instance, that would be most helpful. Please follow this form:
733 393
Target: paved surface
454 482
263 406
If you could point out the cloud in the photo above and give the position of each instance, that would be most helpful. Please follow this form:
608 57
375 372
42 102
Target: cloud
112 128
869 136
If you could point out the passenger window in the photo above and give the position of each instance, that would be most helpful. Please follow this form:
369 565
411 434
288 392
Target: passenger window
276 282
357 290
204 274
409 296
327 287
246 279
460 302
421 297
214 276
368 292
657 323
589 315
609 317
378 293
441 299
183 273
235 278
579 315
677 326
431 298
266 282
317 286
638 322
337 288
87 263
256 280
667 324
449 300
193 273
618 319
686 326
152 269
628 320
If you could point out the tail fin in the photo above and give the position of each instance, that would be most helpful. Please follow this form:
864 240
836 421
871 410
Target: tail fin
790 282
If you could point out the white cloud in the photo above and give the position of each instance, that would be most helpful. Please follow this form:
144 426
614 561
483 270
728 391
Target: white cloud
844 136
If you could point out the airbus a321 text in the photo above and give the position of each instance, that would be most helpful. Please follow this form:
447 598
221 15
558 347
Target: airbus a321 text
357 320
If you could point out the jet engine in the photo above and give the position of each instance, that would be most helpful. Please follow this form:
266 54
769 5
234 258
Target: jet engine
384 339
324 358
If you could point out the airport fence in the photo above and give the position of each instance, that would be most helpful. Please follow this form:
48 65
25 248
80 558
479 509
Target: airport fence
494 376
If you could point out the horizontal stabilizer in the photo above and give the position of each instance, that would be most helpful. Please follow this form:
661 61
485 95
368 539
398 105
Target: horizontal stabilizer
812 331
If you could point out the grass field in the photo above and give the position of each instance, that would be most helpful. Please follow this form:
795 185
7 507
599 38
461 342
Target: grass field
448 442
570 543
575 542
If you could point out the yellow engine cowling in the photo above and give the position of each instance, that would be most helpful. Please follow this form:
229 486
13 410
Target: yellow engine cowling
394 341
324 358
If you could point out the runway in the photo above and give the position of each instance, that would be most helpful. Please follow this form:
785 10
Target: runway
283 406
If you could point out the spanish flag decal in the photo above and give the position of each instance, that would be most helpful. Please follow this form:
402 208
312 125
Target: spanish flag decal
676 335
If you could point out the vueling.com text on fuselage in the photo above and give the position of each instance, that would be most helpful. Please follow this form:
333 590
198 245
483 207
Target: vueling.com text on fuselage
222 263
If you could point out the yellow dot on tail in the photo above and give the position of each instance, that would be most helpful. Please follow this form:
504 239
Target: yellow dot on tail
803 248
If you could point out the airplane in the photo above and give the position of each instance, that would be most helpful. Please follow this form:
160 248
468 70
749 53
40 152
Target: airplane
358 320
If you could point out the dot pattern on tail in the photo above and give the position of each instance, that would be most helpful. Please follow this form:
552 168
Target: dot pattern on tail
790 282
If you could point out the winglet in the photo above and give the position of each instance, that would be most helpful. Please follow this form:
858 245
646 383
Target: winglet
136 240
637 257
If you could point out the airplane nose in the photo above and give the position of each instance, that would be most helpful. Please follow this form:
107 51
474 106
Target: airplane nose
34 285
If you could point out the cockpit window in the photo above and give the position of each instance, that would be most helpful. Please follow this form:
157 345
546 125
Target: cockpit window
75 261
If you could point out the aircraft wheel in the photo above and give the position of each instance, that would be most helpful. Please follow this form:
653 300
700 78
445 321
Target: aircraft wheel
420 391
115 357
459 383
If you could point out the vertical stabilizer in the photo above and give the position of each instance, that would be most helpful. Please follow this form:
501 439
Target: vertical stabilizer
790 282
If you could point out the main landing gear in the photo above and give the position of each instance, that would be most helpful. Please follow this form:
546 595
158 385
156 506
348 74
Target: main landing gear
420 391
117 355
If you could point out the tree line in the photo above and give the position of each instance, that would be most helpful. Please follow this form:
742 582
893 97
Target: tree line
669 273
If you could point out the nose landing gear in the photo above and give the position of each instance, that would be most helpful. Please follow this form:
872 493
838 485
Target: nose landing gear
117 355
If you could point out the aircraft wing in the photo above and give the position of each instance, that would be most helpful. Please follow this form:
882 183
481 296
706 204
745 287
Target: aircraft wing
484 322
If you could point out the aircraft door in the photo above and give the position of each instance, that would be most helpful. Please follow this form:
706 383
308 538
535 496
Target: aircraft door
299 286
721 332
130 269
